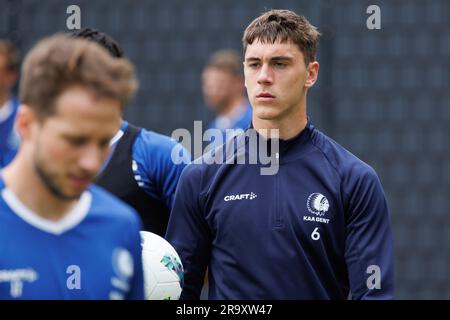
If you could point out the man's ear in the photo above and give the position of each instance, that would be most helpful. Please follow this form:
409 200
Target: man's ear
26 121
312 73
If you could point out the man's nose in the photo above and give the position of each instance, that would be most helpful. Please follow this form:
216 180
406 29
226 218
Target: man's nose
91 159
265 75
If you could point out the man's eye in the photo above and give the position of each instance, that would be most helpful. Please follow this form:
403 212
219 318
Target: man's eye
76 141
253 65
280 64
104 143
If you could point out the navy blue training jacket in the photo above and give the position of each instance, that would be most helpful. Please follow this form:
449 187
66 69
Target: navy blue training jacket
318 229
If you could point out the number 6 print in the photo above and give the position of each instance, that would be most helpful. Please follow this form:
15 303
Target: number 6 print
315 235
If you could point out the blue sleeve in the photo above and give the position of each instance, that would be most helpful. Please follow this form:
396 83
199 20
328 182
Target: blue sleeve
157 173
368 252
137 284
188 232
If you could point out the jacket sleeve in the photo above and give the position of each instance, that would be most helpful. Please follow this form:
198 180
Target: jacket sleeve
188 231
369 248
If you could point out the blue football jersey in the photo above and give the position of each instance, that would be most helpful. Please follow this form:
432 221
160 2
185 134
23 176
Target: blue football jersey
241 120
152 166
93 252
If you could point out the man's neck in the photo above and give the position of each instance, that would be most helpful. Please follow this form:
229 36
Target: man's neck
288 125
21 178
285 132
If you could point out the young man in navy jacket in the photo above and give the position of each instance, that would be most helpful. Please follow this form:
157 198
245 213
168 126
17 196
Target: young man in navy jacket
317 227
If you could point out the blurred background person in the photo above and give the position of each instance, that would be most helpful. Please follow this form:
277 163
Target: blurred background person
9 103
224 92
139 169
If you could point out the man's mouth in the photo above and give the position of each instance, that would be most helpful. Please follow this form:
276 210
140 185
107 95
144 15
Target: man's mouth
265 95
81 181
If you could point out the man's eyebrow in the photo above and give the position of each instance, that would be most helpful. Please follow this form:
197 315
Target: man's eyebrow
276 58
281 58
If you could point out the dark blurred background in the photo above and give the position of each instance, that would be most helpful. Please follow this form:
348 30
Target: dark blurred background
383 94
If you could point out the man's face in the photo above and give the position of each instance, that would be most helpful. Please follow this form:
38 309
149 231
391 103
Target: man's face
217 87
70 146
276 78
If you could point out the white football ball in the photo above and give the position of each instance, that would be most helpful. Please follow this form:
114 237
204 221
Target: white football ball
163 271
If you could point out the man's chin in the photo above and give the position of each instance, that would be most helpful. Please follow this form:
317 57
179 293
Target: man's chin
69 195
266 113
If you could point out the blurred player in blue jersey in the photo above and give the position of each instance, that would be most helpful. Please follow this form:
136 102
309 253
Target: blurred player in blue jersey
9 69
223 91
317 227
139 169
61 238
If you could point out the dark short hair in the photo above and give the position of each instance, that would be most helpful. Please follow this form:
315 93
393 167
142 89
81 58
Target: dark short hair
101 38
284 26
